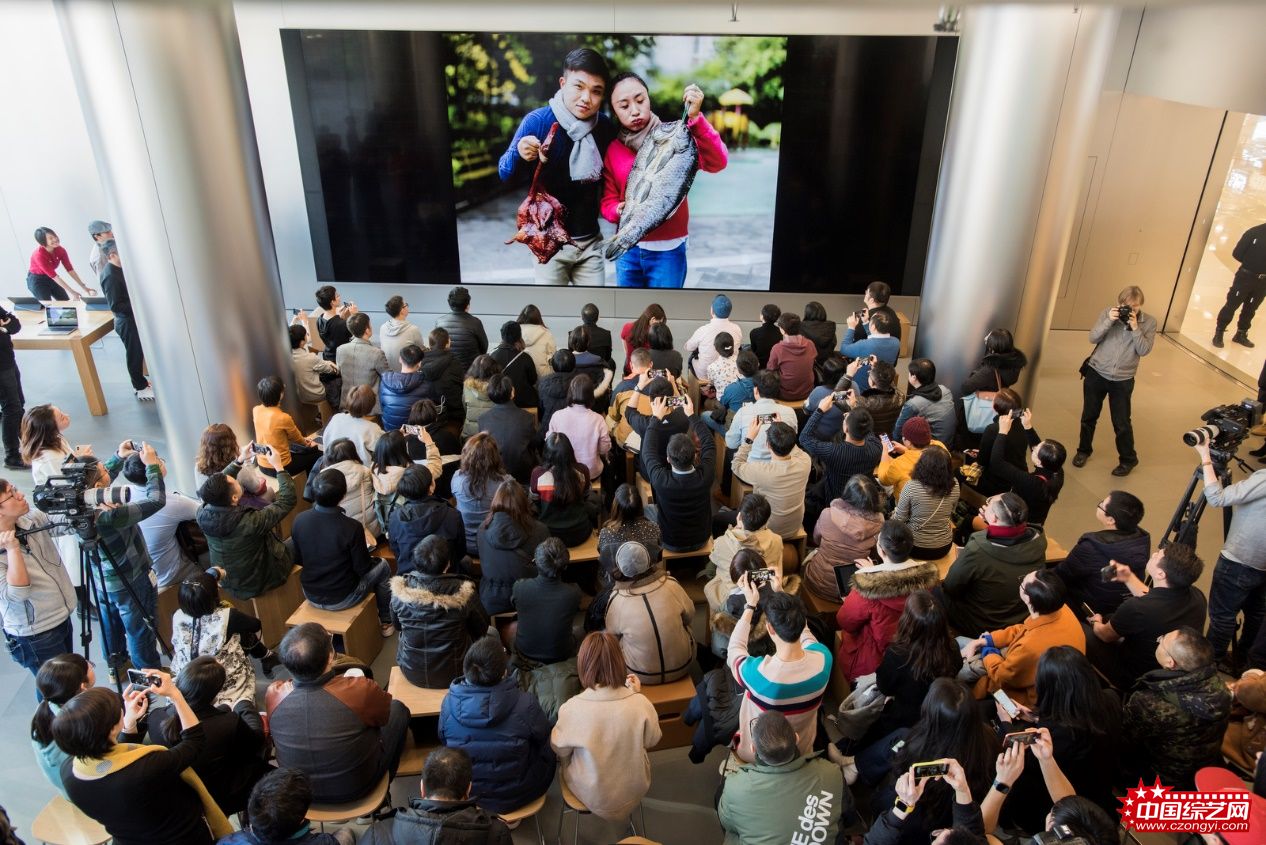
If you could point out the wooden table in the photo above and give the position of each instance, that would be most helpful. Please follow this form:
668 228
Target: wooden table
93 325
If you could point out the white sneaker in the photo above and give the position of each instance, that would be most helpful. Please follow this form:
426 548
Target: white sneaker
146 394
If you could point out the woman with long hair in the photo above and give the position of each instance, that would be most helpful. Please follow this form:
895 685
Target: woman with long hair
207 626
819 329
1000 366
60 679
603 734
217 448
627 521
234 758
1084 720
637 334
358 502
663 355
561 484
391 459
44 446
845 531
538 341
475 391
479 474
927 504
586 429
507 539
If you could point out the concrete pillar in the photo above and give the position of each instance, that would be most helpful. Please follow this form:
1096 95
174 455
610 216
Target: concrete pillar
1022 111
164 95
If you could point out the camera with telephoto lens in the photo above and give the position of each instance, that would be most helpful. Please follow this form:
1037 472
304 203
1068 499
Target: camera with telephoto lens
1060 833
72 496
1227 426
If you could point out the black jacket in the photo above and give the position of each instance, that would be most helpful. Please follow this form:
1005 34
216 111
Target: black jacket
445 371
426 822
764 338
418 518
521 370
439 616
1007 365
715 711
1081 570
822 333
505 556
331 549
334 333
515 432
9 326
546 607
600 343
683 502
114 288
233 758
1039 489
466 337
552 395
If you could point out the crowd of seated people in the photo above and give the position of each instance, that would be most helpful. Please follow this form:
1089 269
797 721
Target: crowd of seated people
519 514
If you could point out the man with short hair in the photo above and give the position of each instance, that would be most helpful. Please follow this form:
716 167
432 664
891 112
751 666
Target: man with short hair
750 530
513 428
423 514
792 358
114 288
446 814
1009 656
1176 716
1123 646
784 796
100 231
278 813
400 389
879 342
683 492
337 571
159 528
309 367
767 388
981 588
676 420
464 330
1121 540
397 332
360 361
875 299
1247 287
445 371
341 729
599 338
934 402
289 448
792 680
702 341
782 480
1122 335
858 454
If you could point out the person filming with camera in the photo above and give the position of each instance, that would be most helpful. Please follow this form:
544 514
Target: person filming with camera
1239 577
1122 335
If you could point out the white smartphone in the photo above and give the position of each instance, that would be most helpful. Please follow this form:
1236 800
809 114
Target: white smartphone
1007 704
887 441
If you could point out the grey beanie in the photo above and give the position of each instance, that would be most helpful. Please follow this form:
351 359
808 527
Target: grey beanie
633 559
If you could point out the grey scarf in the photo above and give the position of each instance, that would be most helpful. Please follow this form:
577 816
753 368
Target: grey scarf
585 161
633 140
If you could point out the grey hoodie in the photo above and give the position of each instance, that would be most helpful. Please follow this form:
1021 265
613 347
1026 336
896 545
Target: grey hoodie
395 335
49 599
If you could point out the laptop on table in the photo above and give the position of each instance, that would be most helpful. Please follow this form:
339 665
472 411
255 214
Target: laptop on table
61 319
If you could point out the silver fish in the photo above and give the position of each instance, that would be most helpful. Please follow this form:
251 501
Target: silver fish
661 177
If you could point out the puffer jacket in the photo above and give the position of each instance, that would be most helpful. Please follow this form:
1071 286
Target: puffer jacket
505 556
1080 571
439 616
244 542
652 618
552 390
414 519
445 372
426 822
467 339
475 398
398 391
1174 722
551 684
843 534
884 407
358 502
506 734
538 342
868 617
715 710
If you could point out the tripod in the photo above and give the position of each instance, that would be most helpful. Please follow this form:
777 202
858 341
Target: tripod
1185 524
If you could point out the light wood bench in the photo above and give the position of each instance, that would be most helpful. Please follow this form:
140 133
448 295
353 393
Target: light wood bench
943 564
333 813
420 701
670 702
385 552
358 626
586 552
62 823
702 551
276 605
799 542
1054 551
413 758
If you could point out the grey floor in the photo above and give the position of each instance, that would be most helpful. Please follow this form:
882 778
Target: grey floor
1174 388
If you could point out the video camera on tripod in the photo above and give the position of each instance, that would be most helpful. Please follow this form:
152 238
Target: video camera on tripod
1227 427
71 497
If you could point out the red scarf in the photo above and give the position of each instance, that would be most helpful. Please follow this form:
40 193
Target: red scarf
1005 532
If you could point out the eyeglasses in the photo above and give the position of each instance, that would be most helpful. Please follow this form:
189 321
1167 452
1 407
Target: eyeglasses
1101 507
1160 643
12 495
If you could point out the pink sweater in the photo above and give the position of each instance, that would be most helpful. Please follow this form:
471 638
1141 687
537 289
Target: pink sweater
587 431
618 162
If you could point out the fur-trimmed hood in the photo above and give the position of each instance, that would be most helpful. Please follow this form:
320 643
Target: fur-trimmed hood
891 580
450 592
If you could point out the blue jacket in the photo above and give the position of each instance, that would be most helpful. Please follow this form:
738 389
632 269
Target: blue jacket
506 734
887 348
413 520
398 391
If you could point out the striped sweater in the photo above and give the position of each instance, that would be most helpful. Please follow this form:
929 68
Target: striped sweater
794 689
929 516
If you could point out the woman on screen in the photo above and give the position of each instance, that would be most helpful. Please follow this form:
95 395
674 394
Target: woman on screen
659 260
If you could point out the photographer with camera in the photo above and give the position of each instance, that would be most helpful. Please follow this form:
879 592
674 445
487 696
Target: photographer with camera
1122 335
1239 577
35 590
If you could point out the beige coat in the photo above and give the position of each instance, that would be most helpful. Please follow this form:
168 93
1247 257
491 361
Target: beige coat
601 739
652 617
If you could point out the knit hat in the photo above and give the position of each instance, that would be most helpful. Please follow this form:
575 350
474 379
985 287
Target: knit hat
633 559
917 431
99 227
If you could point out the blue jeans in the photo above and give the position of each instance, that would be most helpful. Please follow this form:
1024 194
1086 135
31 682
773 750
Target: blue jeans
377 581
875 760
142 645
31 652
646 268
1235 588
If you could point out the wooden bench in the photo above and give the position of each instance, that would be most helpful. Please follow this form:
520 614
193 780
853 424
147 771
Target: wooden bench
384 552
62 823
818 606
358 626
420 701
348 810
799 543
670 702
702 551
301 505
586 552
838 687
276 605
943 564
1055 553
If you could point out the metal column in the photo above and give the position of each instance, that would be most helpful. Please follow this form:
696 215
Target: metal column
1021 115
164 95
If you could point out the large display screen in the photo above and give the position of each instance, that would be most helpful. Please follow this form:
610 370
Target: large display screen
785 163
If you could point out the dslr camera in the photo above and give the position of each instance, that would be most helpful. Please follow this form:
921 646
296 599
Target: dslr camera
1226 427
1124 312
69 495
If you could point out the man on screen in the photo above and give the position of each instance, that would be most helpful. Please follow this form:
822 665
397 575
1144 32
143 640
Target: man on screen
572 168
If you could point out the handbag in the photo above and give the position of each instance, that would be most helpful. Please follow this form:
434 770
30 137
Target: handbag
1085 367
860 710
